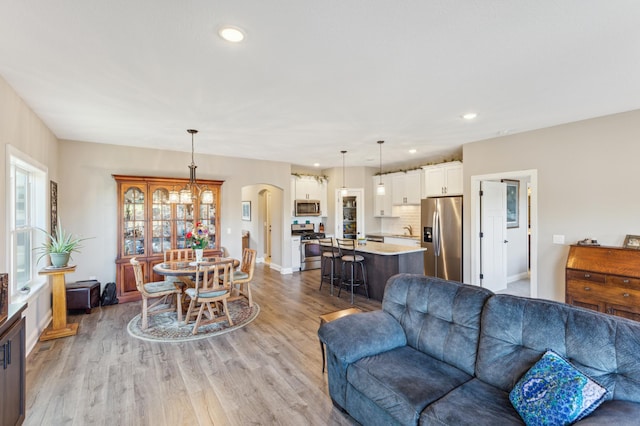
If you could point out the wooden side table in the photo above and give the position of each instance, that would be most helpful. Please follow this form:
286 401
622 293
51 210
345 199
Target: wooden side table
59 326
332 316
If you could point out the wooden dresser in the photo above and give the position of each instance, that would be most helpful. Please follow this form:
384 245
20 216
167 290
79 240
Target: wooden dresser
605 279
12 366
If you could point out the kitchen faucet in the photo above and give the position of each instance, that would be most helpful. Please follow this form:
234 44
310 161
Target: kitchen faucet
410 229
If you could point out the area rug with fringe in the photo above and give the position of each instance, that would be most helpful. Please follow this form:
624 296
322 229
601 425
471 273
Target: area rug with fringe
165 327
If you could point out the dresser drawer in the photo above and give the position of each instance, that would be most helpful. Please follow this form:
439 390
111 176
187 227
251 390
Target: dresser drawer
632 283
573 274
585 288
620 296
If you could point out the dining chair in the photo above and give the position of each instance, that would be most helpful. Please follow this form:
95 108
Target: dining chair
178 254
243 276
160 290
214 281
349 260
330 254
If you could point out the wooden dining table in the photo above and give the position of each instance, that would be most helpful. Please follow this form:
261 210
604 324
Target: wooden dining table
185 272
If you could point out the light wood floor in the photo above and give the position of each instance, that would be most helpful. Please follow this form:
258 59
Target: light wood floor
269 372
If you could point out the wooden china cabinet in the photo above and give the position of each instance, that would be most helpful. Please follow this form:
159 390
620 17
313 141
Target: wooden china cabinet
148 224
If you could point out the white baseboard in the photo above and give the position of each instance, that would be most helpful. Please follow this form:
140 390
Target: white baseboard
518 277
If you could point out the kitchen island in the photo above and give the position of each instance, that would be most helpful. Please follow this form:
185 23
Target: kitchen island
385 260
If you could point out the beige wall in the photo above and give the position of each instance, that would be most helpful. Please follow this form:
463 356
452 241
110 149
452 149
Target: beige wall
588 176
87 195
23 130
587 183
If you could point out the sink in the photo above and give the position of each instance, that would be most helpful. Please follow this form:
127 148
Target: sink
404 236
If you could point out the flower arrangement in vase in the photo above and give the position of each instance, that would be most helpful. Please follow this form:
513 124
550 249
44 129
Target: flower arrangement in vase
199 239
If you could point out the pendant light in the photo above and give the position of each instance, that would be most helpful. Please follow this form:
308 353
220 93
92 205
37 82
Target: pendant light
191 190
380 190
343 192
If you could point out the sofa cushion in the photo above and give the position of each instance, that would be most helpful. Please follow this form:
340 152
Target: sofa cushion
618 413
554 392
473 403
402 382
516 331
440 318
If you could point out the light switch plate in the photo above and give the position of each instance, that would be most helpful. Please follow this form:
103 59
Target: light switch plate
558 239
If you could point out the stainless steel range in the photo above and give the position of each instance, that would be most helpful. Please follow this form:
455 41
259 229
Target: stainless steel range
310 253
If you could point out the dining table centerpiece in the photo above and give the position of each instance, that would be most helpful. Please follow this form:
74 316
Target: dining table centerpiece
199 239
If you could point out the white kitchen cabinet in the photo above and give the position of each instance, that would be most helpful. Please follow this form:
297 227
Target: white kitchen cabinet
406 188
310 188
382 204
443 179
411 242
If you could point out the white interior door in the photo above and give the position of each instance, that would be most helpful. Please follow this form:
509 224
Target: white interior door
493 231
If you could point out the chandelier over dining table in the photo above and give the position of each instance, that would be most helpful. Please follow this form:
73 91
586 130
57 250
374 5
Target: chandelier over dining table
192 190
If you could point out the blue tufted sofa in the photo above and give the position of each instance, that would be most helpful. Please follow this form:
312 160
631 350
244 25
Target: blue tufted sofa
445 353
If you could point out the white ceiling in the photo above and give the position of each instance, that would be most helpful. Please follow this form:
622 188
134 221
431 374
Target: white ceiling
315 77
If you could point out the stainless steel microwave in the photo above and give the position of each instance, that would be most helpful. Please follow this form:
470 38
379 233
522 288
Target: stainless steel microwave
307 208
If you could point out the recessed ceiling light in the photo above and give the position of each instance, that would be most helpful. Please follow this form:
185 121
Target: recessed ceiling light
316 164
470 116
413 151
232 34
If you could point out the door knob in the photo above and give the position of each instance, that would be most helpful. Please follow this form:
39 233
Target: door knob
506 241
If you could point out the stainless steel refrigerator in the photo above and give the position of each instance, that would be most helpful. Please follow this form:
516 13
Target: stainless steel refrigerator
442 237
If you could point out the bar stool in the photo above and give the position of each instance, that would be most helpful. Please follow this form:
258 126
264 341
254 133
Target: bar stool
351 259
330 253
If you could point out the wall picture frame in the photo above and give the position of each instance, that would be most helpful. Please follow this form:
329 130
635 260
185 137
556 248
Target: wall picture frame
513 206
632 242
53 200
246 210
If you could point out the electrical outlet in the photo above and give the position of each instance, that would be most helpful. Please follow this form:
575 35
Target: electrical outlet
92 277
558 239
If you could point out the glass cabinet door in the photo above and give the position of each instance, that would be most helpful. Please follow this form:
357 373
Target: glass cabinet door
161 223
184 224
134 221
208 218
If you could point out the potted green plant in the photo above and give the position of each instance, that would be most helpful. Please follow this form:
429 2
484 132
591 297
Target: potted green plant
59 246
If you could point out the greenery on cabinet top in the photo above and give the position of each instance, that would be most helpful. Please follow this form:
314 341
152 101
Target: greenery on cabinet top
388 172
319 178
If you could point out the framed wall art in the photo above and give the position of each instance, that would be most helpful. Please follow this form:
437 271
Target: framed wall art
246 210
632 242
513 210
53 199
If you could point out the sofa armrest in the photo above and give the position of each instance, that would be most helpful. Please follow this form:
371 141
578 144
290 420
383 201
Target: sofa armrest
359 335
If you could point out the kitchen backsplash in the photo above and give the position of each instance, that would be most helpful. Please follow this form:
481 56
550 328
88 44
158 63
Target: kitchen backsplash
407 216
309 219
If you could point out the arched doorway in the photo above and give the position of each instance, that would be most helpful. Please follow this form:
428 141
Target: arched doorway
266 226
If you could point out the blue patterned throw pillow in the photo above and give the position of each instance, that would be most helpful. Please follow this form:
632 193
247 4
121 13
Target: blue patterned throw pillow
554 392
